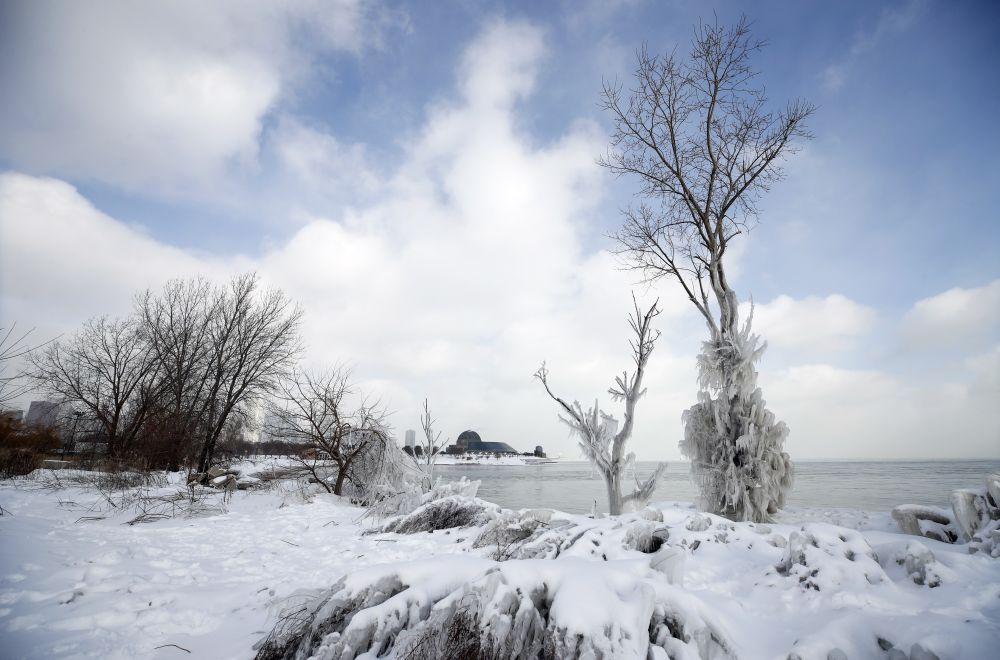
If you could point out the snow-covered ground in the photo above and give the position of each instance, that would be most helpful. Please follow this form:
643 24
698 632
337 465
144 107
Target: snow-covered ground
77 581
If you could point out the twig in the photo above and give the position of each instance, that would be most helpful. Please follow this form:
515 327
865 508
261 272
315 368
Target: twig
290 543
161 646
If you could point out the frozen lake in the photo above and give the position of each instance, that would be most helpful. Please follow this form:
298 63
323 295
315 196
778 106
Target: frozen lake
869 485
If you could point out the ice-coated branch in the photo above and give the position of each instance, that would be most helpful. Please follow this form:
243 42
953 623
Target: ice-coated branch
606 451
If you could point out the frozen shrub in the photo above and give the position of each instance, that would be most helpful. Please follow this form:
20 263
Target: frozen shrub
462 607
445 513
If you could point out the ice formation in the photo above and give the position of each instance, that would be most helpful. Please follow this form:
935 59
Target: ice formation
974 518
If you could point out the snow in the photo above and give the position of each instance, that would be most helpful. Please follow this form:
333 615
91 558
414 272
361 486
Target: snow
77 581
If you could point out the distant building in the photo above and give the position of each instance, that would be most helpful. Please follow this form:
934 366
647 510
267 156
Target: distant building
470 442
539 452
411 438
42 413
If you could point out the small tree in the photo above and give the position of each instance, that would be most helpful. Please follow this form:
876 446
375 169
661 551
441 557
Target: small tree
312 409
604 450
699 137
432 442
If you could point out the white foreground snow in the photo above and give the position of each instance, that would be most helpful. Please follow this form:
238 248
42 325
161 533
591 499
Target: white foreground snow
215 584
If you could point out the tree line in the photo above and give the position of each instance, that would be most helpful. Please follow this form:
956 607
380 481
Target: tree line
188 364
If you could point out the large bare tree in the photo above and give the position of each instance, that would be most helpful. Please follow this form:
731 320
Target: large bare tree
106 371
254 341
700 136
177 324
220 351
604 449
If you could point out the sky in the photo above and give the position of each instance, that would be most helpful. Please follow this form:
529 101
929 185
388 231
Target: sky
422 178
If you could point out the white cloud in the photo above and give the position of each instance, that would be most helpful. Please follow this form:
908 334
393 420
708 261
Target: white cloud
455 283
967 318
466 270
811 324
158 96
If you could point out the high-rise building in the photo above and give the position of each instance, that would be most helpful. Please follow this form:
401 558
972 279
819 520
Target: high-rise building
411 438
42 413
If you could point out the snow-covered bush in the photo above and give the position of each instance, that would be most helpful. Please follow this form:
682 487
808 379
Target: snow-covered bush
516 609
823 558
733 441
444 513
390 502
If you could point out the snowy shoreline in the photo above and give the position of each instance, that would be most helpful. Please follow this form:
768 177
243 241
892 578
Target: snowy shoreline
77 581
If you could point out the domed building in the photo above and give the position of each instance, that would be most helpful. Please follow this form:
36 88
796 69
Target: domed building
469 441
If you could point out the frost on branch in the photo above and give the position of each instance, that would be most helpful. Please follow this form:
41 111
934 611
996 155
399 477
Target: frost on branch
734 442
605 450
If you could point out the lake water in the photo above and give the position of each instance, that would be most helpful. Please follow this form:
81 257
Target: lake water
571 486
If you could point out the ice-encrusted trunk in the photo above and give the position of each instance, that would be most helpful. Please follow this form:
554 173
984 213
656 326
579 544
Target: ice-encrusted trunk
734 442
606 451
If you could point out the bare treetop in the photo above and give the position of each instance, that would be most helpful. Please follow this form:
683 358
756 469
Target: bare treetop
698 134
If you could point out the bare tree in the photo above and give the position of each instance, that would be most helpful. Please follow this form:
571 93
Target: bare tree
699 137
312 409
432 441
177 324
106 370
604 450
254 340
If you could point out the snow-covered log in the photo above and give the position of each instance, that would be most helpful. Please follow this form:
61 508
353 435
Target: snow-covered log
734 442
931 522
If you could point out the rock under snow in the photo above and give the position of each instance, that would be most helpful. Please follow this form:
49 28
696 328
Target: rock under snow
920 565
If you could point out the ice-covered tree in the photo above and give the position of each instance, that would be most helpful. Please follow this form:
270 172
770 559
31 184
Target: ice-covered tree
342 444
432 441
604 449
700 137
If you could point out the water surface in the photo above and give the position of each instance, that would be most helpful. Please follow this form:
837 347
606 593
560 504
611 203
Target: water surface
571 486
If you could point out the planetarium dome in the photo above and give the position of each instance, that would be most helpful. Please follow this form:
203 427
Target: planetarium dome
468 437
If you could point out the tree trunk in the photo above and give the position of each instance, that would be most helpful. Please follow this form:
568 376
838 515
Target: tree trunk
613 482
338 486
